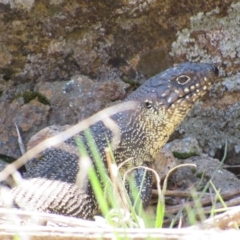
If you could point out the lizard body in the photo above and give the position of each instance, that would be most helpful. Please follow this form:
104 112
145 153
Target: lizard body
138 134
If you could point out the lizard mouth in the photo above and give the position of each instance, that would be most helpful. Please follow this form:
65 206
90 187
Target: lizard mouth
188 95
194 95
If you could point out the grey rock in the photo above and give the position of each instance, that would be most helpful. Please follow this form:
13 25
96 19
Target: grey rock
206 168
185 145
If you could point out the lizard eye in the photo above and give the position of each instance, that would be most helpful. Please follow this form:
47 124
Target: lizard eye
183 79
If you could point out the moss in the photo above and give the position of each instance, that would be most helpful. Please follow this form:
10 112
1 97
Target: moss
200 175
194 170
6 158
7 73
9 160
54 10
30 95
184 155
76 34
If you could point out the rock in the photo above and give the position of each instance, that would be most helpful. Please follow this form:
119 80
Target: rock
164 162
188 176
207 168
29 118
188 145
54 40
80 97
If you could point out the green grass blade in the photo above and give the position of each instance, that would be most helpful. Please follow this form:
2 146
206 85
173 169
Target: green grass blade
160 213
94 180
97 188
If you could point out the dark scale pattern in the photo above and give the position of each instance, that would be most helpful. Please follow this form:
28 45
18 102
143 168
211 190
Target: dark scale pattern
162 102
55 164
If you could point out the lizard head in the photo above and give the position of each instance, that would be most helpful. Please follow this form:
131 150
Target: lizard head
165 99
175 90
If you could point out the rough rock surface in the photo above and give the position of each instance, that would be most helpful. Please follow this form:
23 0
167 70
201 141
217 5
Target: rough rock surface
50 40
182 146
206 168
29 117
79 98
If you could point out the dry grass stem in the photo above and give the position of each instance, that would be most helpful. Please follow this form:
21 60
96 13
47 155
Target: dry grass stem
172 170
158 180
206 201
116 181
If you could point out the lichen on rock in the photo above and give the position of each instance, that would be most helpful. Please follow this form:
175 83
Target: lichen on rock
214 37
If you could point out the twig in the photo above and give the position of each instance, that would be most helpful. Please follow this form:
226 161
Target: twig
223 221
178 193
218 207
207 209
116 181
231 196
231 166
20 141
186 193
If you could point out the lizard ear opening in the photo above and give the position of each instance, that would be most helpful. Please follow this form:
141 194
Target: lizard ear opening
183 79
147 104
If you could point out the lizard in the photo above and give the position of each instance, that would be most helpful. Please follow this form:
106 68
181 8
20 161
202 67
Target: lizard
162 102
